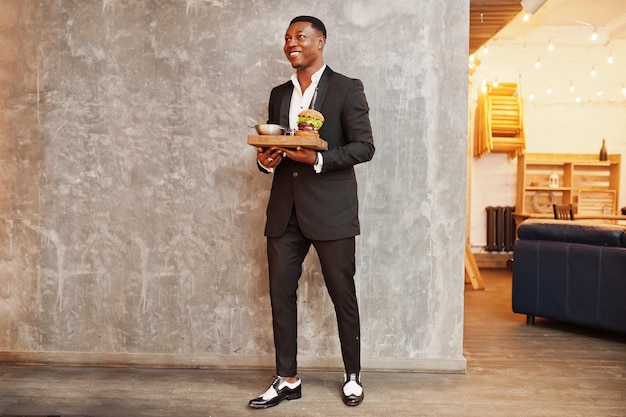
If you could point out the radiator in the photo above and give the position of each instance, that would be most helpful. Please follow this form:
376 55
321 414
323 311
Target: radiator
500 228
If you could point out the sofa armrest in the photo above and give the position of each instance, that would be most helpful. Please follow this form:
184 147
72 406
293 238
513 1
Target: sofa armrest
589 233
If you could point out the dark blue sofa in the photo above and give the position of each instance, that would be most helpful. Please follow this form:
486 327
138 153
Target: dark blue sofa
571 271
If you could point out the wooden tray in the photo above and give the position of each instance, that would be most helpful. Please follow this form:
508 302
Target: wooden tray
287 141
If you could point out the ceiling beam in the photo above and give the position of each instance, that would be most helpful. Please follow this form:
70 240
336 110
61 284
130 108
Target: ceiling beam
487 17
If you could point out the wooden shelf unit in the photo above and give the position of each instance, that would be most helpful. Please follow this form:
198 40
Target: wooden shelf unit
577 173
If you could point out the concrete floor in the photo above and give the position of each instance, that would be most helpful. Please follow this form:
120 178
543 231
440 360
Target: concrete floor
547 370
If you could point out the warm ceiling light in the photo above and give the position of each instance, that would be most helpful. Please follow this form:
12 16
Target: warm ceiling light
526 17
538 63
571 87
609 60
550 46
485 50
531 6
593 71
594 35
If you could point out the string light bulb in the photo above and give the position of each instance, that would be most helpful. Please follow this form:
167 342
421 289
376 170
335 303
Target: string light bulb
594 35
485 50
538 63
571 87
609 60
593 71
550 45
526 17
549 90
623 89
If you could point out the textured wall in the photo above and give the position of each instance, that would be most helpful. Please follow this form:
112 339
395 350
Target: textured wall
131 210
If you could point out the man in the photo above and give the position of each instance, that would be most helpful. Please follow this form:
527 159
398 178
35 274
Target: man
314 201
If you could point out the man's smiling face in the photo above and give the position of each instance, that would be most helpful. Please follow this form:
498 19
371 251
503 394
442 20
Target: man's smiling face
304 46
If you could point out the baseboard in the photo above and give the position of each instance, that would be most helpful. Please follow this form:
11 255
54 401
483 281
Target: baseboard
151 360
492 260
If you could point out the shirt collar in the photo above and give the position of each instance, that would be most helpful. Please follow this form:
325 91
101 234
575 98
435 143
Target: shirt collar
315 78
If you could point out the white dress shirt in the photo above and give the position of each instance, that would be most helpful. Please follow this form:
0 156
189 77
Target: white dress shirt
301 101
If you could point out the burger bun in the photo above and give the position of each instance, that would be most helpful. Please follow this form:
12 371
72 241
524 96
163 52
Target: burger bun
306 133
313 114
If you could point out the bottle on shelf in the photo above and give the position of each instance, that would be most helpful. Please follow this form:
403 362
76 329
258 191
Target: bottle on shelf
603 152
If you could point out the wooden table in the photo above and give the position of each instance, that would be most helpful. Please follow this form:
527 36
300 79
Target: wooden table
582 216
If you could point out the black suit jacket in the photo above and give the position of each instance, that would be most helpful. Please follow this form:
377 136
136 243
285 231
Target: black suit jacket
326 204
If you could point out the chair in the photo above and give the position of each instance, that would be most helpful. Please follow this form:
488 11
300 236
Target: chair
563 211
499 121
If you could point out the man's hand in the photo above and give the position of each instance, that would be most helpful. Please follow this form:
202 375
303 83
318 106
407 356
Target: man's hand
269 157
300 154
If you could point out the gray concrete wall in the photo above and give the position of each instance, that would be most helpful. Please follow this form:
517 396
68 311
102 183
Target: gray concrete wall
131 210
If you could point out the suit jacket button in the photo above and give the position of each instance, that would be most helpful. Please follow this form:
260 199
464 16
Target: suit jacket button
295 175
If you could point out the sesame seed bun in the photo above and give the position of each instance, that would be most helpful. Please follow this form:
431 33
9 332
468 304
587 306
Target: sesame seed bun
313 114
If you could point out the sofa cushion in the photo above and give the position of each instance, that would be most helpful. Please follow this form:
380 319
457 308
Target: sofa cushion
590 233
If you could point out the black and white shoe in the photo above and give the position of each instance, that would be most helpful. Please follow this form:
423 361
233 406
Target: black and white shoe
352 391
278 391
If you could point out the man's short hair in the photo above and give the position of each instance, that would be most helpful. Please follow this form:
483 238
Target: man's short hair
314 21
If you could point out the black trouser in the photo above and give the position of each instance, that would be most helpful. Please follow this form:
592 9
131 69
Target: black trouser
285 256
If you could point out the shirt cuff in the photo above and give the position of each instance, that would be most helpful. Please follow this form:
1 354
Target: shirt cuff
264 168
319 163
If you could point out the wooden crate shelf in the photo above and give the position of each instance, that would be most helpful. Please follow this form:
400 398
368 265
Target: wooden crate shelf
586 182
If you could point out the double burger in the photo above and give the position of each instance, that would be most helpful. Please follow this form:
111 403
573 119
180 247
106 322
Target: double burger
309 123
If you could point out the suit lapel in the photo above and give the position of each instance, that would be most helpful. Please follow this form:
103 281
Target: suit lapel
322 86
284 106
